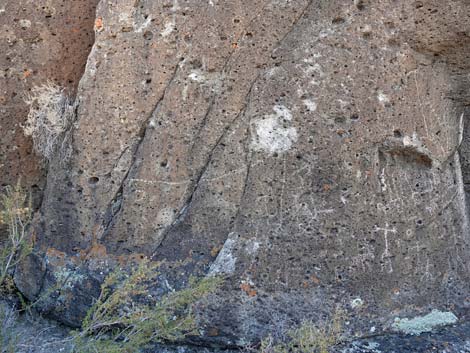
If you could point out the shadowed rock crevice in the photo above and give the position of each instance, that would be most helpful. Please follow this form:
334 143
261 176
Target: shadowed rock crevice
116 202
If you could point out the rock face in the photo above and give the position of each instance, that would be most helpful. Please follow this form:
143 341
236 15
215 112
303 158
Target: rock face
317 153
39 41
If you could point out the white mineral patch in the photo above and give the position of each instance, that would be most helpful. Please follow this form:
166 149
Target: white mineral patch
143 25
197 76
252 247
272 134
225 261
25 24
427 323
165 217
310 104
125 17
169 28
383 98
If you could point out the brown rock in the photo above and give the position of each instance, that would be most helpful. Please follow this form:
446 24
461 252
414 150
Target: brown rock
312 141
40 42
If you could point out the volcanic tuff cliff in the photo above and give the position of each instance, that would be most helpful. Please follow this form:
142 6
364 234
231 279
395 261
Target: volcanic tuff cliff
315 152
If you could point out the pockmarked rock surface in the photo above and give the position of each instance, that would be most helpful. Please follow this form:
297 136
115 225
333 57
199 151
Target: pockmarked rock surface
453 339
316 153
40 41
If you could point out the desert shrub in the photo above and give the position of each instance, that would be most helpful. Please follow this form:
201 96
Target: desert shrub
307 338
16 214
126 318
51 114
8 336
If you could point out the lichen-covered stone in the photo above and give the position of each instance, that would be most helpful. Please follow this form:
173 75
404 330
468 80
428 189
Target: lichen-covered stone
426 323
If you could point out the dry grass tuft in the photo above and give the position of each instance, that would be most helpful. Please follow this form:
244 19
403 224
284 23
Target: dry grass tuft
308 337
16 214
51 114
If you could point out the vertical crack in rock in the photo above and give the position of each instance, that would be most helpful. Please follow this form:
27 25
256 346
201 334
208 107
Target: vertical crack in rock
225 68
114 206
462 168
187 204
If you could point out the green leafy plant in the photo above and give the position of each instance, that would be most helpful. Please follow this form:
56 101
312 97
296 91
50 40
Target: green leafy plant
126 318
16 214
308 337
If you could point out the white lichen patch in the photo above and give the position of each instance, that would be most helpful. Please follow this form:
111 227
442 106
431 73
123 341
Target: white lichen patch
357 303
427 323
226 260
272 134
68 278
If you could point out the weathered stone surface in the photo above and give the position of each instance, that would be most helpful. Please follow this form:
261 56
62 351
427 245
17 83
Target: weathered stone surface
315 152
454 339
39 41
29 276
61 287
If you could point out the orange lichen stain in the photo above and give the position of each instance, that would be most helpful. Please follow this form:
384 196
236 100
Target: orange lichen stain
215 251
212 332
56 256
26 73
315 279
99 24
124 260
248 289
97 251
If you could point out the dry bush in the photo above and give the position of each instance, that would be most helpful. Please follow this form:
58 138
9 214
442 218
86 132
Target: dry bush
308 337
126 318
8 336
16 214
50 118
